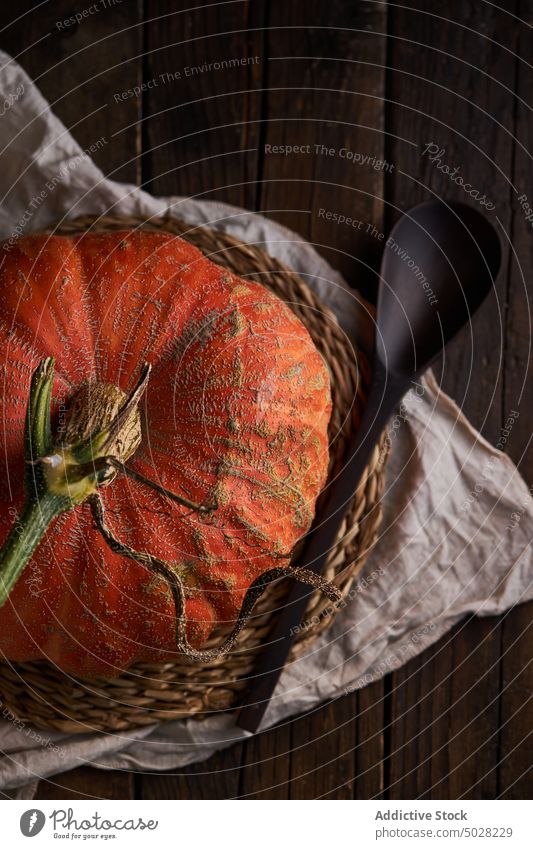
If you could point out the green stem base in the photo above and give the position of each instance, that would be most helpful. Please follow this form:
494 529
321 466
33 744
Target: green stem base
24 538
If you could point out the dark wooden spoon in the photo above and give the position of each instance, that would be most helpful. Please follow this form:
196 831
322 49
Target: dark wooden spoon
439 264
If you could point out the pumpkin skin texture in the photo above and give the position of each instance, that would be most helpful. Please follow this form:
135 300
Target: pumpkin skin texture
236 411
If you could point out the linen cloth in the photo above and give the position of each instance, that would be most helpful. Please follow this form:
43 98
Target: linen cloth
448 545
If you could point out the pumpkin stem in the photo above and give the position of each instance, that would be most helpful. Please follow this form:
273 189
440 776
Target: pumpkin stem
40 506
58 477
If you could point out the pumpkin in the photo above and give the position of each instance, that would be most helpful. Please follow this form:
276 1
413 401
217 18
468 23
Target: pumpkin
164 443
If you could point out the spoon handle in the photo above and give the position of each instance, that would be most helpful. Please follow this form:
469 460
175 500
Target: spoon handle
383 397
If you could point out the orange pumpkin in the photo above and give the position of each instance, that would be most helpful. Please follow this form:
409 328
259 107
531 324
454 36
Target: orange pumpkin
161 499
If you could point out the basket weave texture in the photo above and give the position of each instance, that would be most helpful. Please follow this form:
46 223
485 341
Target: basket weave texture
42 695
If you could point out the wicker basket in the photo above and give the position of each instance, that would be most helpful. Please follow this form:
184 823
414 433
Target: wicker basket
45 697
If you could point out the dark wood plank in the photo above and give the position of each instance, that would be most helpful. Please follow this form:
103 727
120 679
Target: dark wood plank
370 752
437 95
515 768
323 751
88 783
325 87
79 68
200 138
265 769
324 100
420 706
201 128
516 776
444 710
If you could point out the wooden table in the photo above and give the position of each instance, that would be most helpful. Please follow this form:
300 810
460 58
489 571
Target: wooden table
378 80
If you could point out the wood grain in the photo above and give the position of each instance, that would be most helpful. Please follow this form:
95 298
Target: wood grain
323 751
79 68
438 95
326 88
418 763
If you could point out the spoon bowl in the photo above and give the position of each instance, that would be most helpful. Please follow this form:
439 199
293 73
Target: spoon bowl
439 264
